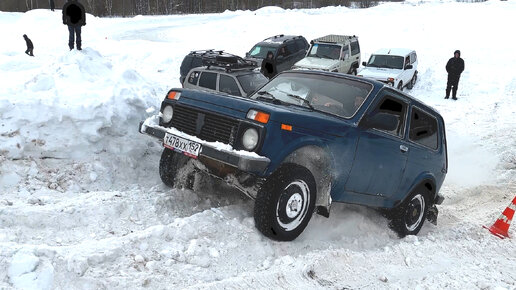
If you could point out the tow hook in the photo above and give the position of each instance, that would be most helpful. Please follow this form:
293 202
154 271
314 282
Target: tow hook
432 214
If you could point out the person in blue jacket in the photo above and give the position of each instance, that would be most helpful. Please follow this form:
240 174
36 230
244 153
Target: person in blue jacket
75 17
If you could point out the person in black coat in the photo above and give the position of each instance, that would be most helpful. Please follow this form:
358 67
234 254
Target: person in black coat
454 67
30 46
268 67
52 5
74 16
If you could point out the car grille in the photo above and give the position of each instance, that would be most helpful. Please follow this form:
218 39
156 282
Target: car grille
206 126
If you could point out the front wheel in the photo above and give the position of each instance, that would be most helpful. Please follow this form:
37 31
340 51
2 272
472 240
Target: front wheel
169 165
410 216
285 203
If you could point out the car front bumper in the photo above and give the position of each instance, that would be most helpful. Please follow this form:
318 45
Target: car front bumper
243 160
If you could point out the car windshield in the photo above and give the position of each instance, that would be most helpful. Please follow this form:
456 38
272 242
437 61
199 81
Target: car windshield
251 82
330 94
260 51
386 61
329 51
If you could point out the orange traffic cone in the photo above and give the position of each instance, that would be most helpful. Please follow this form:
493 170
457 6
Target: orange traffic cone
501 226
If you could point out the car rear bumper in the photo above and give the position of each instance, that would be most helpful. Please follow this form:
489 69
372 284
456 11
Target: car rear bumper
244 161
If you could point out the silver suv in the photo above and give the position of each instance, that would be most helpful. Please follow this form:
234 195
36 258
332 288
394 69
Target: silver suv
227 75
335 53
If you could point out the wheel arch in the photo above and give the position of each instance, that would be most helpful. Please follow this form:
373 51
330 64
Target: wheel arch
425 181
317 160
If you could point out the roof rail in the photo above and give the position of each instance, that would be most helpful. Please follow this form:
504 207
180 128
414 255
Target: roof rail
230 62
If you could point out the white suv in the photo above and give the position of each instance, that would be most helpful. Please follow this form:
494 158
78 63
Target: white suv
394 66
335 53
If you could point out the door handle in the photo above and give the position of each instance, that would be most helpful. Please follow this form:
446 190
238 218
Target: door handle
403 148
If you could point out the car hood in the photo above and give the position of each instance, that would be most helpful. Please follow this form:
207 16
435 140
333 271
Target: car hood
317 63
238 107
381 74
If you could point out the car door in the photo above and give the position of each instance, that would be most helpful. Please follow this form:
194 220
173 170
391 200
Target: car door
208 81
345 59
381 154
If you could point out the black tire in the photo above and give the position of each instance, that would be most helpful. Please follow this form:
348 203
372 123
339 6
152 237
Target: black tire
285 203
169 166
409 217
400 86
412 82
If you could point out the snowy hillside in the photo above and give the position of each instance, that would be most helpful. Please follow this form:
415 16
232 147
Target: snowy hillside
82 205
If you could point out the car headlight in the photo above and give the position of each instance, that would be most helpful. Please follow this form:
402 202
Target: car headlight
250 139
168 112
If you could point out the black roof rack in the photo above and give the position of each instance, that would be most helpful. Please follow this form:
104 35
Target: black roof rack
229 62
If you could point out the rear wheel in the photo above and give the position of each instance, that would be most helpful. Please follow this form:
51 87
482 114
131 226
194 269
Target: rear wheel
285 203
410 216
169 165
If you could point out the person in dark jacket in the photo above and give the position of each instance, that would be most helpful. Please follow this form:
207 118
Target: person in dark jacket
454 67
75 17
30 46
52 5
268 67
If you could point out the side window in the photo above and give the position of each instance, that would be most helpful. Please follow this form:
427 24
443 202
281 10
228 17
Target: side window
393 107
194 76
355 48
228 85
423 129
208 80
300 44
292 47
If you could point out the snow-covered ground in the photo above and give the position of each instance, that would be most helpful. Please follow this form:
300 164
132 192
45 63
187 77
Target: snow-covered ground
82 205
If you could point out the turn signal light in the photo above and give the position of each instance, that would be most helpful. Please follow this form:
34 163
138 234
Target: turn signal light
286 127
258 116
173 95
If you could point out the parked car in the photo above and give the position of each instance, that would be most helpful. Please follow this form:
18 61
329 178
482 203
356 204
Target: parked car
335 53
396 67
286 50
305 140
199 58
230 75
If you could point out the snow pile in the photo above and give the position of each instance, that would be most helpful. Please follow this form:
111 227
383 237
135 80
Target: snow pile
82 206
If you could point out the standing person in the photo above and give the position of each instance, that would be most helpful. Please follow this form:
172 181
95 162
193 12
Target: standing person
30 46
52 5
74 16
454 67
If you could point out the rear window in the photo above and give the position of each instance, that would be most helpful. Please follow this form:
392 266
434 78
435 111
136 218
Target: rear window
423 129
208 80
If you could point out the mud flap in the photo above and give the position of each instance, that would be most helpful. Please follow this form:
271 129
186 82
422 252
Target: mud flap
432 214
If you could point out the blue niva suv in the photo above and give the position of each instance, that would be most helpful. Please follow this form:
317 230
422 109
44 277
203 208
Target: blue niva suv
307 139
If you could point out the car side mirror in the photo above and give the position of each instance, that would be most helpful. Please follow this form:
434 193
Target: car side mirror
364 63
382 121
408 66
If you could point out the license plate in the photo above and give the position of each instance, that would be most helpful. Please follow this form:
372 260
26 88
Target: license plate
185 146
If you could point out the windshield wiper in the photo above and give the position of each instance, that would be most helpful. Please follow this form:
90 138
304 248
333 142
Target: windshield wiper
302 99
269 97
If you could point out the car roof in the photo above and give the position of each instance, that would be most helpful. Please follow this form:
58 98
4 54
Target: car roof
394 51
277 40
333 38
